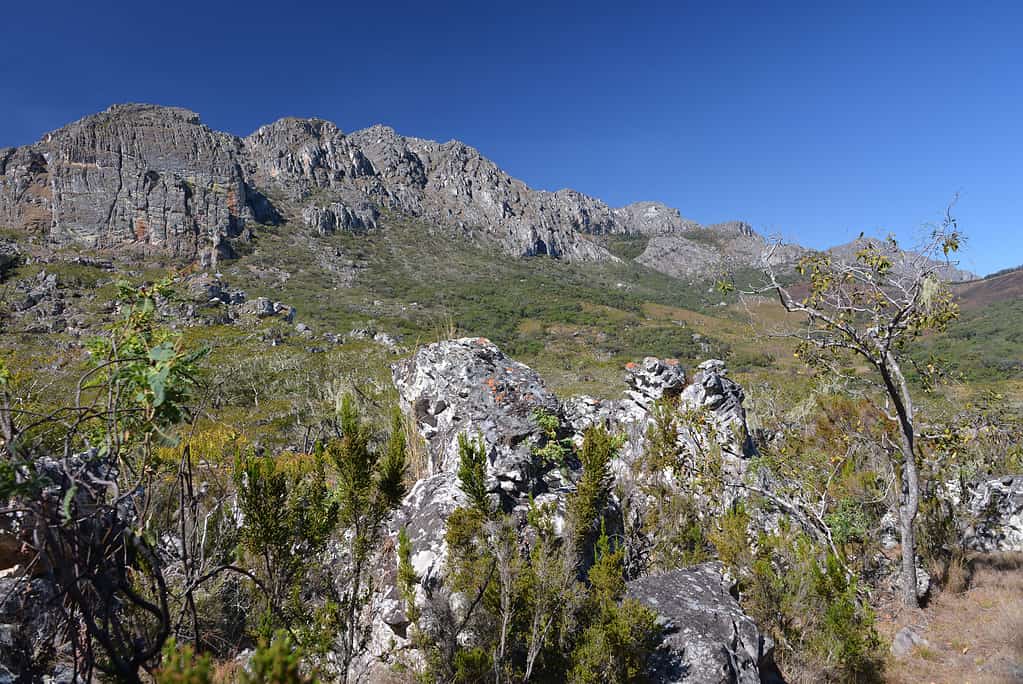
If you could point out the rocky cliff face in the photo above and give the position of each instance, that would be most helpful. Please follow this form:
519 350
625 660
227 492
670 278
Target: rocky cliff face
135 176
156 180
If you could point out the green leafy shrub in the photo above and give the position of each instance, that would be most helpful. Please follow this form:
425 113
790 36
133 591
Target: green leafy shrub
181 665
278 661
619 634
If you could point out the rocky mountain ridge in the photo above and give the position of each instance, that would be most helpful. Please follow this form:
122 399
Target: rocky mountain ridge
149 179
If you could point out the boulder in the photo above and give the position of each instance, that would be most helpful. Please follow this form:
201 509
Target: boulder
707 637
906 641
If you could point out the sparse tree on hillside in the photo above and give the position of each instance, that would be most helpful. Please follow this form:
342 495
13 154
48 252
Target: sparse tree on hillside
871 307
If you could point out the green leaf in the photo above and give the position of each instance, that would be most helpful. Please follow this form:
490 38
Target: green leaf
163 352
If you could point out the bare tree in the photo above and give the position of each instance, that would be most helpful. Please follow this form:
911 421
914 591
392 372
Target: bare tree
871 306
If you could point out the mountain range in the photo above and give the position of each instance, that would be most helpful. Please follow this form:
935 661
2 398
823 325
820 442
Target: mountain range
148 179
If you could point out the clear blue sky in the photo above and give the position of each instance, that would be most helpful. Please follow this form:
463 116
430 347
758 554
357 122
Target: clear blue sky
813 120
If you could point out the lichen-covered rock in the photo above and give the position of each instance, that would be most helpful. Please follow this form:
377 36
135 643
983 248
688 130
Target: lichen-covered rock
468 386
652 380
996 506
720 399
708 639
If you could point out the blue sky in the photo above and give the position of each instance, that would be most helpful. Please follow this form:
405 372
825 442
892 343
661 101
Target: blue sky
812 120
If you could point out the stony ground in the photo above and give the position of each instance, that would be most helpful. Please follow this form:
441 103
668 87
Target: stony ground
974 637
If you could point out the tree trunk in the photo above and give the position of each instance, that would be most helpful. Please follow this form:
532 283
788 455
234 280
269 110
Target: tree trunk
898 391
907 517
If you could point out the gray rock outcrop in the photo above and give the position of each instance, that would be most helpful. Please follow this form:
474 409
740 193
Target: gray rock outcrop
338 217
695 251
469 386
155 179
708 639
996 508
720 398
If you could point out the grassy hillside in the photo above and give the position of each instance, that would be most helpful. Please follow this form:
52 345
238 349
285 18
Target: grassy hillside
577 324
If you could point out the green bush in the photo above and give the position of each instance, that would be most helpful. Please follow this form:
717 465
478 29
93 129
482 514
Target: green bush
276 662
181 665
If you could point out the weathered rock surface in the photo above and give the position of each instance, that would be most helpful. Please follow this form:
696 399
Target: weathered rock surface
153 178
698 252
339 217
708 638
996 506
157 180
469 386
720 398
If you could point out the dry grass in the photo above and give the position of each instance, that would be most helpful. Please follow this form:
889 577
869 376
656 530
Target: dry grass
974 637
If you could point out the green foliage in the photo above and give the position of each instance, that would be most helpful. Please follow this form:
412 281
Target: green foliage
472 473
731 538
672 522
586 505
472 665
554 451
407 577
527 602
845 635
849 522
370 485
288 519
620 634
802 596
982 345
276 662
144 363
181 665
